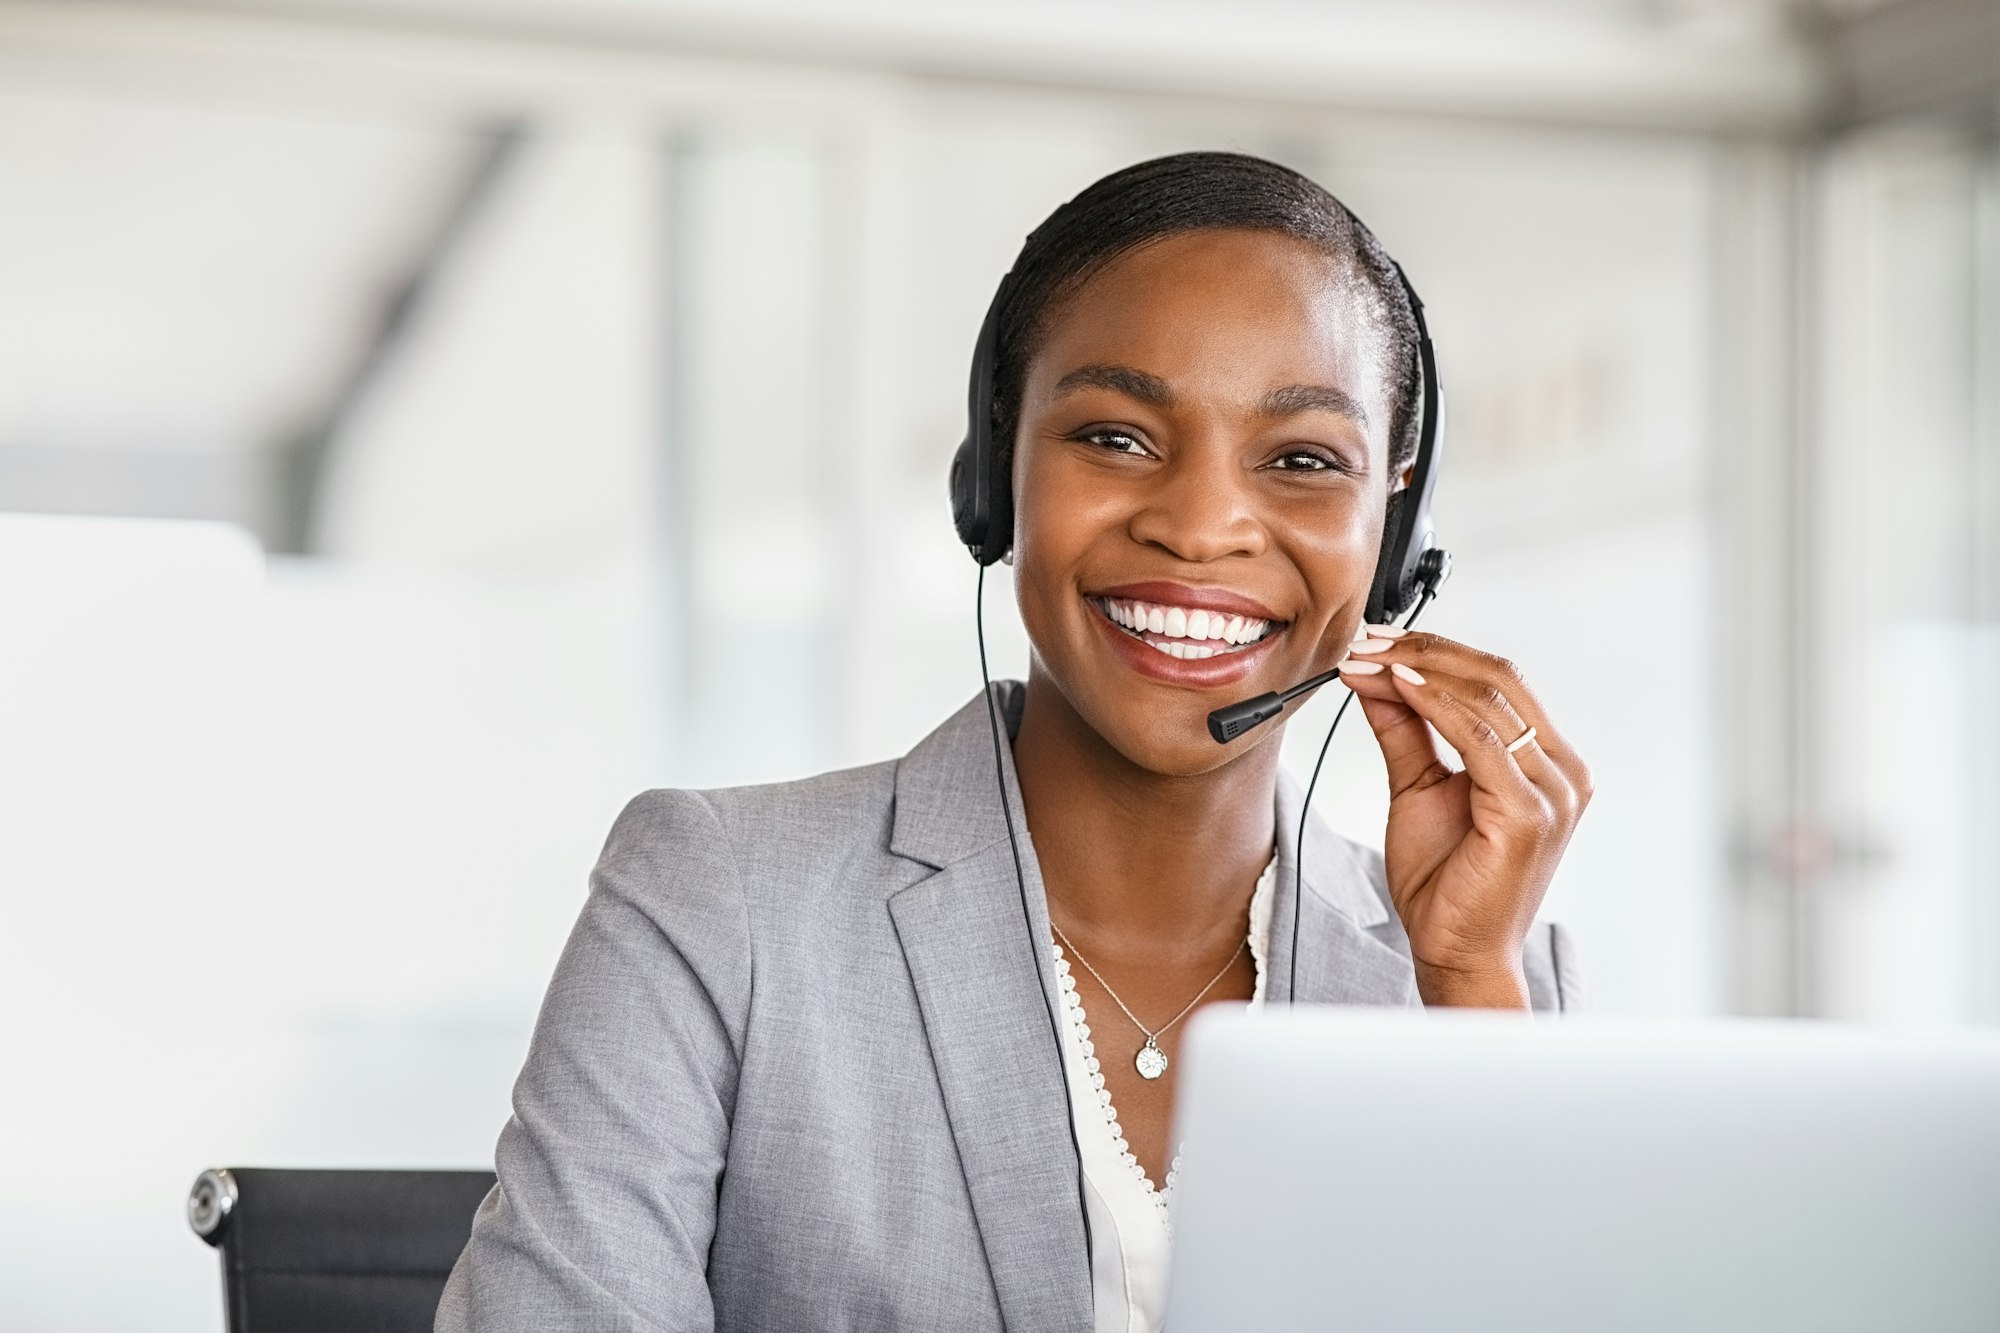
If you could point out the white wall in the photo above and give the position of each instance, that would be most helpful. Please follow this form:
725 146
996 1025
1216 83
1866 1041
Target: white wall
288 854
1907 475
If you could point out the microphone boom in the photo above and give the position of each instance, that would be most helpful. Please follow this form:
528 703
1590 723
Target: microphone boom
1227 723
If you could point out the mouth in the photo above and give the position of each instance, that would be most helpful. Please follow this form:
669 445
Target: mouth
1184 632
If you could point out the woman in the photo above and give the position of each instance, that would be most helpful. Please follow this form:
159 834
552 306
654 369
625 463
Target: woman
797 1068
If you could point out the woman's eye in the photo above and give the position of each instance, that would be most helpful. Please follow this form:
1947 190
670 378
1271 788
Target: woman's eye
1117 441
1307 460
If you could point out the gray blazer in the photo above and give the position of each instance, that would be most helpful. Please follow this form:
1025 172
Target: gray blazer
795 1069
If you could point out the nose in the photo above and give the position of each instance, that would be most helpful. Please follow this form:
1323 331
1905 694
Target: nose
1200 510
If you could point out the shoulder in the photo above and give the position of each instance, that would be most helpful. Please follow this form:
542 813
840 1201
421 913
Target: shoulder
824 804
720 884
771 837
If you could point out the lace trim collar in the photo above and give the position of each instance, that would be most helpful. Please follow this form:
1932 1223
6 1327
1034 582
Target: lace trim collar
1077 1025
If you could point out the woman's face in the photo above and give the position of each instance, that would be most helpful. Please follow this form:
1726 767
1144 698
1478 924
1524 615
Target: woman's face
1200 476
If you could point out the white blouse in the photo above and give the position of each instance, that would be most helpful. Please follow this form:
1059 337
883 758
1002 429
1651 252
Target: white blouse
1129 1224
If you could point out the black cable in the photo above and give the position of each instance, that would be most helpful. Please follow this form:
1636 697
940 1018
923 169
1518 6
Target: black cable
1305 808
1028 919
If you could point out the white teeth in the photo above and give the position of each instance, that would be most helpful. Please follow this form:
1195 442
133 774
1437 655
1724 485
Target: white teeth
1185 650
1190 630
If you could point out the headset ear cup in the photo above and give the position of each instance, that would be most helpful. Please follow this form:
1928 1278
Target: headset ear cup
982 510
1389 594
989 535
1000 526
971 531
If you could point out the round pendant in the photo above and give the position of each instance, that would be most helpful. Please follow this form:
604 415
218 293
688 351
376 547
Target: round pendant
1151 1060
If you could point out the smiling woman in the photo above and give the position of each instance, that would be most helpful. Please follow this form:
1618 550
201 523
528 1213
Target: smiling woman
796 1068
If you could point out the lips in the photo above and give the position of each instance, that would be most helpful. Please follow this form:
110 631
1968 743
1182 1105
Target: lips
1179 632
1181 635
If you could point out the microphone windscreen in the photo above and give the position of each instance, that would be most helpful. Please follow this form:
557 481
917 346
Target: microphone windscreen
1226 724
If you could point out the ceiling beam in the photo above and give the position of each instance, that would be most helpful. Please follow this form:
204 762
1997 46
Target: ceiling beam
1915 57
1728 68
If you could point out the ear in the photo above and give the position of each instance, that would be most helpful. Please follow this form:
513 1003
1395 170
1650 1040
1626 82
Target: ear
1405 477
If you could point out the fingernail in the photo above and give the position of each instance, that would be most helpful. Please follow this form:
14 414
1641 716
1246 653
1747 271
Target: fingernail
1370 646
1353 668
1398 669
1386 631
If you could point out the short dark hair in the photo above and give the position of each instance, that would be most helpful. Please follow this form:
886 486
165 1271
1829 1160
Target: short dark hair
1186 192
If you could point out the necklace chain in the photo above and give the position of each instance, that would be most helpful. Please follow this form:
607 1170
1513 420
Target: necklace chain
1151 1033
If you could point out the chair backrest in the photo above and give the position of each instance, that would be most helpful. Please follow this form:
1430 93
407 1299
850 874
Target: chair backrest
307 1251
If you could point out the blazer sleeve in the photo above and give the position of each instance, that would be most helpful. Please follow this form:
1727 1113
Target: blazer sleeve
1548 958
608 1167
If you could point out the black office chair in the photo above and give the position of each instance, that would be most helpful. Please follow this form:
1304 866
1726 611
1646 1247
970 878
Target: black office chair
320 1251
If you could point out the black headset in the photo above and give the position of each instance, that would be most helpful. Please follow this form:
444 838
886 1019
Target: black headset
982 495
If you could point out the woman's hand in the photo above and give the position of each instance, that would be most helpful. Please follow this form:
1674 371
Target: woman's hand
1468 854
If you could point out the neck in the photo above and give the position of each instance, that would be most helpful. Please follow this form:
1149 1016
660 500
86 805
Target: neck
1136 863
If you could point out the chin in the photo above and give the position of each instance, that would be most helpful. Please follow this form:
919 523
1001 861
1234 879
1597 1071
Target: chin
1160 730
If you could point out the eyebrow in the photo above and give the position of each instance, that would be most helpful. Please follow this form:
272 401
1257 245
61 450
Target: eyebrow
1289 401
1148 389
1296 398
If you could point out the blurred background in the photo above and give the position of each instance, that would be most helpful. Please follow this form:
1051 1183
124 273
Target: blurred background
426 423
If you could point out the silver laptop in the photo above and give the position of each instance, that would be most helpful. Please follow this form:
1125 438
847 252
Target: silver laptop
1383 1171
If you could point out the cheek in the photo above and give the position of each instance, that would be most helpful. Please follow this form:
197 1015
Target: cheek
1337 554
1051 532
1058 514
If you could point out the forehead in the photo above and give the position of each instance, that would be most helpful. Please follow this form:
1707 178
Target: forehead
1222 313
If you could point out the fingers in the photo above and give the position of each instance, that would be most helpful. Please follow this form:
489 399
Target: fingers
1409 746
1495 688
1478 718
1479 731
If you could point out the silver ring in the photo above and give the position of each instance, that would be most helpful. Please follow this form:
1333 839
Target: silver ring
1523 739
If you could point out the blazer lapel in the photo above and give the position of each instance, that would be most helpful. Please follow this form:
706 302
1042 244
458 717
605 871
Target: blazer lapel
986 1003
986 1000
